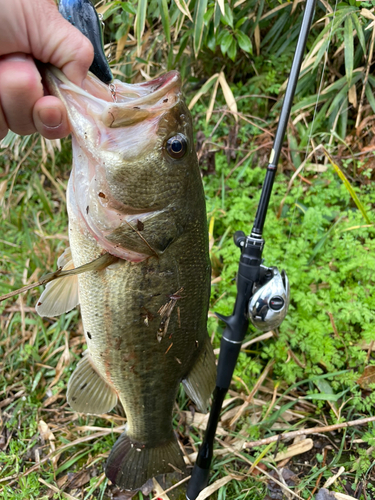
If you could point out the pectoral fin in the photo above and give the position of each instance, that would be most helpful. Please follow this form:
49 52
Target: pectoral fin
61 295
61 292
200 382
88 392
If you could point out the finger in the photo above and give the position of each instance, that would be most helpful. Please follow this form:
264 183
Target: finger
50 118
20 88
60 43
75 58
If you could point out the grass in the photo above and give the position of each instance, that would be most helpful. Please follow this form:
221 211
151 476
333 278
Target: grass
317 370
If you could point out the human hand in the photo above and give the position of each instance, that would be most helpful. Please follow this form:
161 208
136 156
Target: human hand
34 29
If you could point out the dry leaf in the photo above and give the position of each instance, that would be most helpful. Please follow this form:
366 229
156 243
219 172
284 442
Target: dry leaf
228 95
121 45
295 3
222 7
332 479
159 491
295 449
367 14
181 4
257 39
45 432
202 91
199 420
367 377
101 10
353 96
3 188
212 102
341 496
316 167
276 9
214 487
366 346
76 480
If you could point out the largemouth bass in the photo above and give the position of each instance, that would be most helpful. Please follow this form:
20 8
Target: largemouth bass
135 192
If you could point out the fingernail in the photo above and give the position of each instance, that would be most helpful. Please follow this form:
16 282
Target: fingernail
19 56
50 117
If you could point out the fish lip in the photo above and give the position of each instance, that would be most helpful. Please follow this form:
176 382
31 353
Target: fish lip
168 79
162 85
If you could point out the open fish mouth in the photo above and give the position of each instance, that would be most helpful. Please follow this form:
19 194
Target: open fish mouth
113 126
119 104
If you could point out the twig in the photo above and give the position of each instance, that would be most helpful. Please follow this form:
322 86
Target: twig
312 430
245 459
252 393
56 490
172 487
142 238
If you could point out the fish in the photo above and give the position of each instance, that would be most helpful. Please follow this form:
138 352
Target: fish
135 193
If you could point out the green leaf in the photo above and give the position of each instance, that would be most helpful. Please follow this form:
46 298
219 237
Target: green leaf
36 381
227 19
226 41
140 20
240 22
200 10
217 16
112 8
349 48
326 397
321 242
244 42
370 97
183 43
232 50
164 13
208 15
42 195
128 7
358 27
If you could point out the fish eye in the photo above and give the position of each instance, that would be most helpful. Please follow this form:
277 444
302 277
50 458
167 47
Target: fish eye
177 146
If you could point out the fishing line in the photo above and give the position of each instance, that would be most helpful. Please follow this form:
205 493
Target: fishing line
311 133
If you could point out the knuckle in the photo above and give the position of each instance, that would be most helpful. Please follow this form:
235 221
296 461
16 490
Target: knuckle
22 81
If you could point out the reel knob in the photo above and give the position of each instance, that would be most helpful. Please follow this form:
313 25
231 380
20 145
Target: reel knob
239 238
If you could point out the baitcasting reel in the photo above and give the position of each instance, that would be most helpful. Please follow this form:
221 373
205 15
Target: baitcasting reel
269 304
269 301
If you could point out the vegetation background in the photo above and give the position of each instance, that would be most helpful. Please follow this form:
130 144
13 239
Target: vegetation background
318 369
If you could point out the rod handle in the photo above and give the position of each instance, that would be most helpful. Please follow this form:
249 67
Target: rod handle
201 477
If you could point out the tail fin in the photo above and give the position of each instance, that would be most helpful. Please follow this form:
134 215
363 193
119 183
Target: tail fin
131 464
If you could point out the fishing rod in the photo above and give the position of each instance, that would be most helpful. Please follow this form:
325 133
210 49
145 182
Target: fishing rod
262 292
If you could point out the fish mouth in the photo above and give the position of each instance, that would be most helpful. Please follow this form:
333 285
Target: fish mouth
120 103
